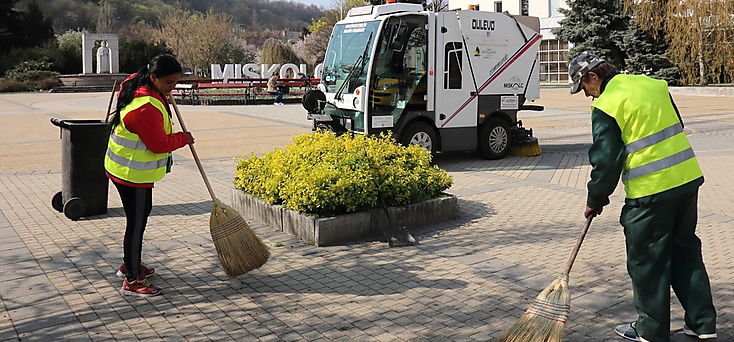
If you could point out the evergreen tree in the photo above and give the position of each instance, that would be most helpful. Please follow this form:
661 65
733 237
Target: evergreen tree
647 55
10 23
596 25
135 53
37 29
23 29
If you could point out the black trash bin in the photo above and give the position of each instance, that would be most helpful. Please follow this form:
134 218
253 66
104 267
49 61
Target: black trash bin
83 179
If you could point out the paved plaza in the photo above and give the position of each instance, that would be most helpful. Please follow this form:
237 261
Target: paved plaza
467 280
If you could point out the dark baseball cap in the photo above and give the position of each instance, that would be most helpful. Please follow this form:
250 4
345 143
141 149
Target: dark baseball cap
579 66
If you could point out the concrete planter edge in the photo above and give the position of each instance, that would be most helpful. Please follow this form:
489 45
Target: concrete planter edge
328 231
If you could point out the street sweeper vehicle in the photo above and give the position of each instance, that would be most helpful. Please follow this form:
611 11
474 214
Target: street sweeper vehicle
448 81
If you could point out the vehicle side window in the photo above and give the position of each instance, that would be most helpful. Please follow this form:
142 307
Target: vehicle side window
452 67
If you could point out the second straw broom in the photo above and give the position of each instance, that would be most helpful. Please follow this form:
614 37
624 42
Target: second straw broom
239 249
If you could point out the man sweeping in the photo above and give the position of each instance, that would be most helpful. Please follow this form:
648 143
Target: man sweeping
638 134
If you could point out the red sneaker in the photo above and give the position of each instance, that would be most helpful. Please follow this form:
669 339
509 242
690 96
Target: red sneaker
144 271
140 288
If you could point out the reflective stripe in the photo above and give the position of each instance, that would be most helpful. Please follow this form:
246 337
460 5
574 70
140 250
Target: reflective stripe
653 139
658 165
127 143
136 165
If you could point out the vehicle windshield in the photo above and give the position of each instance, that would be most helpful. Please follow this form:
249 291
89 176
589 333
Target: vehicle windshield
348 42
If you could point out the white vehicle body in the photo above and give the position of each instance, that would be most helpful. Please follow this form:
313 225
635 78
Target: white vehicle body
448 80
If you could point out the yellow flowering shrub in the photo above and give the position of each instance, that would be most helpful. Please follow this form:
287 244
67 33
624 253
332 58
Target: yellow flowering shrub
323 174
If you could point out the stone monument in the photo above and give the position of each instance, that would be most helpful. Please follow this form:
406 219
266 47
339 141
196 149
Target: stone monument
108 65
108 40
104 64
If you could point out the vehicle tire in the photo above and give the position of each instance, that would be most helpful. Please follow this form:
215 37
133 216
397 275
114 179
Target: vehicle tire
422 134
74 208
57 202
494 138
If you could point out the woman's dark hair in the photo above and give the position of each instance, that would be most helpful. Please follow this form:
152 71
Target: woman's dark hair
160 66
604 70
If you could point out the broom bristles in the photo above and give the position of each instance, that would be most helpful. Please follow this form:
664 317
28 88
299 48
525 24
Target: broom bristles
239 249
526 149
545 318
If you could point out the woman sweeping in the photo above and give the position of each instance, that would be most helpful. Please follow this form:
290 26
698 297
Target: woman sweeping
139 154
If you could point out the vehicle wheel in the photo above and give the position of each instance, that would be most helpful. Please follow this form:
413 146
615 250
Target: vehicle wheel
74 208
494 138
421 134
57 202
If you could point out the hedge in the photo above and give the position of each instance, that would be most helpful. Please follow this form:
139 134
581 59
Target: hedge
324 175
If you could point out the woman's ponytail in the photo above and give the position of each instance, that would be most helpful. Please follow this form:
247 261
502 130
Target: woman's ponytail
127 91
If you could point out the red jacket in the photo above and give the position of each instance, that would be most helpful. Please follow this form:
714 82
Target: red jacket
147 123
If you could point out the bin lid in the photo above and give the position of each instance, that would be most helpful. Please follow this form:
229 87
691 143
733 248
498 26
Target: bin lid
78 123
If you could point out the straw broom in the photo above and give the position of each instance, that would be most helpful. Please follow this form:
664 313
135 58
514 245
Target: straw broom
546 316
239 249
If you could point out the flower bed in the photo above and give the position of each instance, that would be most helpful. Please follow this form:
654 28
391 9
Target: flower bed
322 176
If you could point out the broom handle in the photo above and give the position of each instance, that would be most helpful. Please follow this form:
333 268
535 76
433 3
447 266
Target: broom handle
109 105
193 150
576 248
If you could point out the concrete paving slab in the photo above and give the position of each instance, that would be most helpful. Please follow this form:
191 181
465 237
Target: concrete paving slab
467 280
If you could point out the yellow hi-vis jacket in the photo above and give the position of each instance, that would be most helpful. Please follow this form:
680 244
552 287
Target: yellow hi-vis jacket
658 154
127 156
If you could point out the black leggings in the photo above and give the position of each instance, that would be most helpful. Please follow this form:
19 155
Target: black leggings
137 203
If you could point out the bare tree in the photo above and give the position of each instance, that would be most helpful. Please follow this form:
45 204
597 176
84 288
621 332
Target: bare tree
106 18
313 47
437 5
700 33
198 39
215 32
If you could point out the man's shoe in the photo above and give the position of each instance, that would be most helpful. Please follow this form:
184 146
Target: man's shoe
690 332
629 332
144 271
140 288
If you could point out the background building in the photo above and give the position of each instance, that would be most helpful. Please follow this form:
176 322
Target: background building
553 52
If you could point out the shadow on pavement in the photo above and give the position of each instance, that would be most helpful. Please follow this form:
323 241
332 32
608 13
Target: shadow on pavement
574 147
187 209
550 159
364 291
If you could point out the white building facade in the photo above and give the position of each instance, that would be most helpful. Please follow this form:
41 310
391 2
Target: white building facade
553 52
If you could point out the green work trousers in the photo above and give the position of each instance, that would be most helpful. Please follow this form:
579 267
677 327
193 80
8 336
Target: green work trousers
663 251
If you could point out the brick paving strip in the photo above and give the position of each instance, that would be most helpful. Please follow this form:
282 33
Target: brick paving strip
466 281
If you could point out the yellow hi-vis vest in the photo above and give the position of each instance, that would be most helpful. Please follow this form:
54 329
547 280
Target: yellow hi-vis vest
127 156
658 154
